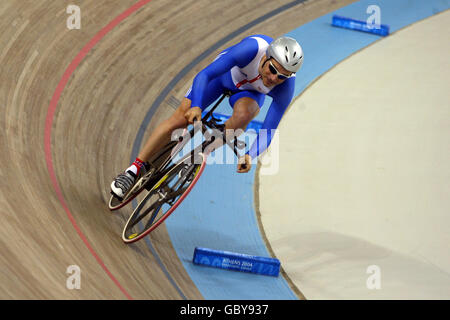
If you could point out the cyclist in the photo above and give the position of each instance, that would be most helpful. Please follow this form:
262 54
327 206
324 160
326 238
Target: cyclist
251 69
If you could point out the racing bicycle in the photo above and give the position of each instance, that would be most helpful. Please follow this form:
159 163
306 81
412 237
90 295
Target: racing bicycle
170 177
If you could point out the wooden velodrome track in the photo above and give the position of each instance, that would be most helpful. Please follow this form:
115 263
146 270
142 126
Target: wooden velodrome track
89 137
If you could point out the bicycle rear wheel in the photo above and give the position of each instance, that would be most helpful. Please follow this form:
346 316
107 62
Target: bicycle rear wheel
165 196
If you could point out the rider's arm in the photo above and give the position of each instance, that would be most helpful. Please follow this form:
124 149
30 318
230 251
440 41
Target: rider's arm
282 97
239 55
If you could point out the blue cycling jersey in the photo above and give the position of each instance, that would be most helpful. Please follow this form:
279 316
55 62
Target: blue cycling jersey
236 69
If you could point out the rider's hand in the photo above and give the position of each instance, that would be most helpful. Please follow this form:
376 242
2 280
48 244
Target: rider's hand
244 164
192 113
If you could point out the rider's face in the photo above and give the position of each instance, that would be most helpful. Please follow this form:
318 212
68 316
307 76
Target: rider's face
269 71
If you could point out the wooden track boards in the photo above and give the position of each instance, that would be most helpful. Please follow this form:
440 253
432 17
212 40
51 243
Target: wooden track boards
94 127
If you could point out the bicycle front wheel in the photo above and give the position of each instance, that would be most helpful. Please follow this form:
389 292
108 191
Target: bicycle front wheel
165 196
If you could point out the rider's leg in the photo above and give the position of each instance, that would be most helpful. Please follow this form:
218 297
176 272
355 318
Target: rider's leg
246 105
163 132
244 110
160 136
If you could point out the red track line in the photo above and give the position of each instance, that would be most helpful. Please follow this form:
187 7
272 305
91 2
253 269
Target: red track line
49 123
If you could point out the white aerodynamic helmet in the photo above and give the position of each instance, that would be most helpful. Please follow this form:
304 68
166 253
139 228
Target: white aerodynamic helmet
287 52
